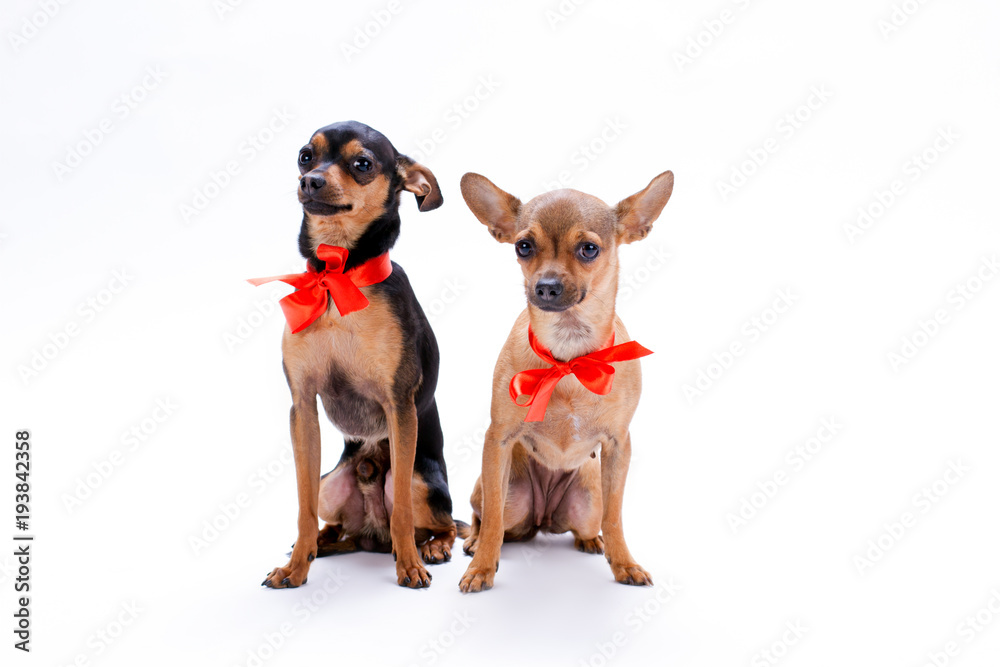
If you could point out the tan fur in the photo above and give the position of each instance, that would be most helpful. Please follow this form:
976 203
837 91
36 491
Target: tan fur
319 143
578 424
367 346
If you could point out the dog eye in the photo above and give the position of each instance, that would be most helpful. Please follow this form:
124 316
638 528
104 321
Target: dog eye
305 156
524 249
589 251
363 164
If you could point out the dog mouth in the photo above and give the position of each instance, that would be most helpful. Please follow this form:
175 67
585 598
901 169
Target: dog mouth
322 208
554 307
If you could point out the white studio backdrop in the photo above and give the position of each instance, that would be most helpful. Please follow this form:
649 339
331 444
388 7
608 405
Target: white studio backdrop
815 471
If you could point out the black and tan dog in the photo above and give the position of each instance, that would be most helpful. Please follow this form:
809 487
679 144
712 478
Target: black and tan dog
359 340
540 465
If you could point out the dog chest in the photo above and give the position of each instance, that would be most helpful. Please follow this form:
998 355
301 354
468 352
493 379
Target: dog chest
350 363
565 440
351 405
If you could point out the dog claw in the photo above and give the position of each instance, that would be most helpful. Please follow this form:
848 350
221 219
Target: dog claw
632 575
477 578
286 577
414 576
591 546
436 551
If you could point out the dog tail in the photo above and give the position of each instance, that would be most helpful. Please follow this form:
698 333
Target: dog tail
464 530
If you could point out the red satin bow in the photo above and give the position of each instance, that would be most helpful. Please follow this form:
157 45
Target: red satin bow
309 301
594 371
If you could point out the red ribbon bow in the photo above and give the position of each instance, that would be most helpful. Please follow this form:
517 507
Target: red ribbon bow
309 301
594 371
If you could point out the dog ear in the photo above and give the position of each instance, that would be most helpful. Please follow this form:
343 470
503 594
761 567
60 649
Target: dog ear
637 213
419 180
495 208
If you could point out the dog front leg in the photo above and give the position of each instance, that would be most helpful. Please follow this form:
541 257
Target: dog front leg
410 571
615 457
306 447
495 480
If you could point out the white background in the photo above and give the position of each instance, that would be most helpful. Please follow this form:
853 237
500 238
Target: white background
556 85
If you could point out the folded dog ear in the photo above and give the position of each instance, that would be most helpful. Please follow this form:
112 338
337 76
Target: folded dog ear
637 213
419 180
495 208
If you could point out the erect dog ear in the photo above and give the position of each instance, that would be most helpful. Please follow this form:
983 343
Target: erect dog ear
419 180
495 208
637 213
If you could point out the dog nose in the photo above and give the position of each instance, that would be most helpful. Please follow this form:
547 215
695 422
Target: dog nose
548 289
312 183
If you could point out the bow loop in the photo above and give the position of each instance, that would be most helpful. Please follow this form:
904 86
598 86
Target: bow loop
334 256
596 376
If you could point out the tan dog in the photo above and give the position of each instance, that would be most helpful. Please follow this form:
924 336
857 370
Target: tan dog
545 475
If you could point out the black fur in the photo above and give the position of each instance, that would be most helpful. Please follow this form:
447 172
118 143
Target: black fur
418 371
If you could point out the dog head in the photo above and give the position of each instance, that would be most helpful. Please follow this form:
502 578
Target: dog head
566 241
351 176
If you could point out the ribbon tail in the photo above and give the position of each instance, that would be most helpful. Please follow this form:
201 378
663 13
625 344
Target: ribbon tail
526 383
296 280
302 308
624 352
347 297
540 399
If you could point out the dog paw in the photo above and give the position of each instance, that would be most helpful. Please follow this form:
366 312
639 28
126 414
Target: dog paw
477 578
631 574
288 576
411 573
470 544
592 546
435 551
